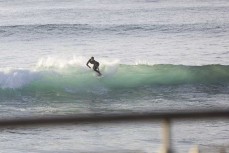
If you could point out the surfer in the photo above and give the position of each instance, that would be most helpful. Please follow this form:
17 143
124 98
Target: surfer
95 63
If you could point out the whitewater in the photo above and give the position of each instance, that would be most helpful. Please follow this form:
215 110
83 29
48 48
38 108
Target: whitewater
155 56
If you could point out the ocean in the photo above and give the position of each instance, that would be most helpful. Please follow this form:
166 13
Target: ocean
155 56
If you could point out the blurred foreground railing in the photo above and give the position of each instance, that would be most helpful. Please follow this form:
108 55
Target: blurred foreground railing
166 117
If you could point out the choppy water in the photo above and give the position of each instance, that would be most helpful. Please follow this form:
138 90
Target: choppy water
154 56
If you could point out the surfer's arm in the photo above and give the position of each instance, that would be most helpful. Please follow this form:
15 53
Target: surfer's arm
88 63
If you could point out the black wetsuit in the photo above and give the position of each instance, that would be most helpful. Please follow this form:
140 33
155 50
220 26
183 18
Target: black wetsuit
95 63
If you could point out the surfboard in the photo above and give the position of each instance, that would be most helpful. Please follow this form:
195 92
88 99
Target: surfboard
100 76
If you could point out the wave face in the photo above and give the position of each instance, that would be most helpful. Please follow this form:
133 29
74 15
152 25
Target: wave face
74 79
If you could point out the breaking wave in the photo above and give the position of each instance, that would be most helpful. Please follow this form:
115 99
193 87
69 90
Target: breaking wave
78 78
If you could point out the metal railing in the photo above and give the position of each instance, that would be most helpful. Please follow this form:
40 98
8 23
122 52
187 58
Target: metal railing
166 117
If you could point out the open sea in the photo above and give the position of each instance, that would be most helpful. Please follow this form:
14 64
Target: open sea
155 55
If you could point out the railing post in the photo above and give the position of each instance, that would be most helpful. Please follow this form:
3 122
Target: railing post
166 129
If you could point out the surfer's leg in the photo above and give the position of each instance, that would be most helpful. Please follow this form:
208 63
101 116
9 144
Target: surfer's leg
96 69
98 72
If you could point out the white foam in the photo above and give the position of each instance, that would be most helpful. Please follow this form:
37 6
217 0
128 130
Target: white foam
60 62
108 66
17 78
